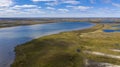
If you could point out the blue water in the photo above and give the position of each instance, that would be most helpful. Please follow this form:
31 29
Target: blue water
108 30
113 30
13 36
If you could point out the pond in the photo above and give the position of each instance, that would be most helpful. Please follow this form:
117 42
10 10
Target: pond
114 28
12 36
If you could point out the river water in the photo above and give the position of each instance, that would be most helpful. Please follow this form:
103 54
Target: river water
12 36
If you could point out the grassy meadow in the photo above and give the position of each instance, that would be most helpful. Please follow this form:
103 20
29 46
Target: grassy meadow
67 49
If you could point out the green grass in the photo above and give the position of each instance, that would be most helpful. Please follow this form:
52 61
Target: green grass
96 58
65 49
50 51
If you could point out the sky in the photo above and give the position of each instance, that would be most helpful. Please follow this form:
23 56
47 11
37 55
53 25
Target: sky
59 8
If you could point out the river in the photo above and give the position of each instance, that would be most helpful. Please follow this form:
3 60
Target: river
10 37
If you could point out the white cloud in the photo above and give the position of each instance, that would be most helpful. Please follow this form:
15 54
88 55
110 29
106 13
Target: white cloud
71 2
63 10
18 11
25 6
116 4
34 11
6 3
50 8
52 3
102 1
58 2
81 8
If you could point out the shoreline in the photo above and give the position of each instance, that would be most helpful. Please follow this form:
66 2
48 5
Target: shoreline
84 36
94 28
34 29
26 24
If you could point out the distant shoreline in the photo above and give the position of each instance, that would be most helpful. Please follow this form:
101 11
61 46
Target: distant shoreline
10 22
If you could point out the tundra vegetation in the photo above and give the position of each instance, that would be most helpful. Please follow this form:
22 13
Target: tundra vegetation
69 49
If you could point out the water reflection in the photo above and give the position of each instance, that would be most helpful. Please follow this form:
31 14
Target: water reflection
13 36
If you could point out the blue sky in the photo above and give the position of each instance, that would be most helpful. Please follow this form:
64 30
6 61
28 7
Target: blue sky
59 8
